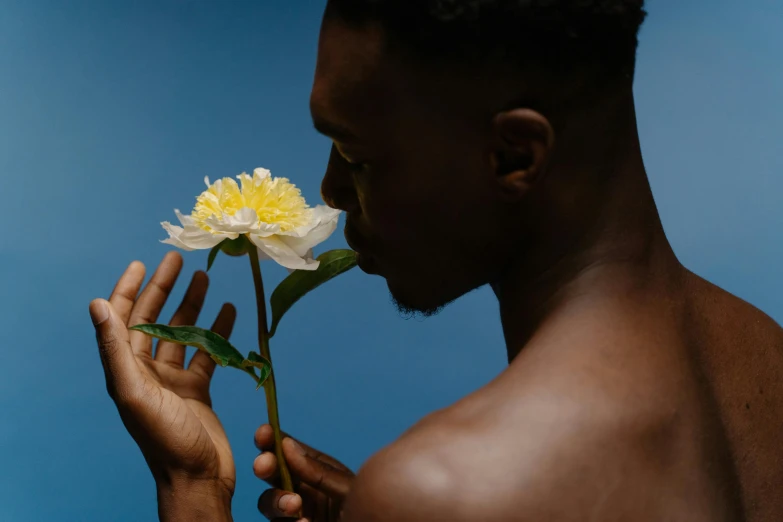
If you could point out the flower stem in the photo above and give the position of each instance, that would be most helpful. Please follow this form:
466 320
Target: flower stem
269 386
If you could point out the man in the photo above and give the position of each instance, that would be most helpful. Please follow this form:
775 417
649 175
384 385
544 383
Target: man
494 142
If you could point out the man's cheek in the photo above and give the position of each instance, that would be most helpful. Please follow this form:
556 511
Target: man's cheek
402 224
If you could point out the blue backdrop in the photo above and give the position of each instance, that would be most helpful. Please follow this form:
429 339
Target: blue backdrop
111 114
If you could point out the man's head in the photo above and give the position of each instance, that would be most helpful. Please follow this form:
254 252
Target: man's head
444 115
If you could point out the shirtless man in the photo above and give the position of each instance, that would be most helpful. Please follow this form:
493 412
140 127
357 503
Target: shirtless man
495 142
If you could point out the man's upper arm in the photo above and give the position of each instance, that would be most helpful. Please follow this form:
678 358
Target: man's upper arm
552 484
407 488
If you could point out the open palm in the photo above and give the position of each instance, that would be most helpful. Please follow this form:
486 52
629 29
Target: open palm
165 406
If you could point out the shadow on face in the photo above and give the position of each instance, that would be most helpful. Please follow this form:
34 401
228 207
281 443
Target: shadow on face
443 137
414 164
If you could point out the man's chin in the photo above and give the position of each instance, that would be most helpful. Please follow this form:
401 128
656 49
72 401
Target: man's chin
412 306
411 311
412 300
412 297
367 264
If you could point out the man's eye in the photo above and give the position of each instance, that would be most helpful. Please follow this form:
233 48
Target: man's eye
355 165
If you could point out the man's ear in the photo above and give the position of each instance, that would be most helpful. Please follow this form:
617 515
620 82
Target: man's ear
524 140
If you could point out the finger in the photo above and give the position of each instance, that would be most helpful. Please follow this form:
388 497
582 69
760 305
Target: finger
316 473
275 503
306 464
316 504
265 465
187 313
265 441
265 438
127 288
201 363
152 299
119 364
265 468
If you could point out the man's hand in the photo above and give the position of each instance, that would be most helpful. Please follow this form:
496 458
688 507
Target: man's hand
321 481
165 406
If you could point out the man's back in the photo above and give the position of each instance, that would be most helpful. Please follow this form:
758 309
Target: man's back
648 402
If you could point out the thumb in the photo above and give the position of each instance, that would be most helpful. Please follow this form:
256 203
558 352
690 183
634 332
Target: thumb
119 362
315 473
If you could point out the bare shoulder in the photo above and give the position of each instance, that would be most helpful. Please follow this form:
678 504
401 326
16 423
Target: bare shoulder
542 457
604 418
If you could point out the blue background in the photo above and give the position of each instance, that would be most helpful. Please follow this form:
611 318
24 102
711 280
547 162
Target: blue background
111 114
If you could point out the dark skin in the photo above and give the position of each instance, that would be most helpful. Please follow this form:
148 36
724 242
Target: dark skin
636 391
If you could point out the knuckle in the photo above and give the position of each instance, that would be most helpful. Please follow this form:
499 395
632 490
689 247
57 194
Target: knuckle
144 317
164 287
107 341
190 306
318 477
132 399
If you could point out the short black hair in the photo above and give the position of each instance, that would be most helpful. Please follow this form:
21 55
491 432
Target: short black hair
553 34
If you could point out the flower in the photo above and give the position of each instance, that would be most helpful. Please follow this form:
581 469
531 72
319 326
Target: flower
270 212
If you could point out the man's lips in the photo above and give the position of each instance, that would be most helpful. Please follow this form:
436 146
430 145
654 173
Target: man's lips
359 244
354 239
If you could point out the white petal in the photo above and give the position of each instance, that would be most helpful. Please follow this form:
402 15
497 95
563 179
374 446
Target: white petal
192 238
308 257
200 239
206 180
185 220
318 215
266 229
326 223
176 243
282 253
260 174
174 233
242 222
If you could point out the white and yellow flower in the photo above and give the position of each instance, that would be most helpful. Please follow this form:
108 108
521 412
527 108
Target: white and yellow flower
270 212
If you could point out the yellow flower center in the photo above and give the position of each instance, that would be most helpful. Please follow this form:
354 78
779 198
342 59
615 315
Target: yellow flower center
275 200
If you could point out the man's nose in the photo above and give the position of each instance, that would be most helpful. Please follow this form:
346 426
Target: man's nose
337 189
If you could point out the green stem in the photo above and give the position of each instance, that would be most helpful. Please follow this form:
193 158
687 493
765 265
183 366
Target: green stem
269 385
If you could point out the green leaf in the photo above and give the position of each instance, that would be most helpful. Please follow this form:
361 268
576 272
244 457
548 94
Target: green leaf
219 349
263 364
295 286
212 255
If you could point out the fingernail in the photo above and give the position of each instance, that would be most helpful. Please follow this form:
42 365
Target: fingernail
282 504
99 312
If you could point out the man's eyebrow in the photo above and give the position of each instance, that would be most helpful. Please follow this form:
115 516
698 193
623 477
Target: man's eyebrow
333 130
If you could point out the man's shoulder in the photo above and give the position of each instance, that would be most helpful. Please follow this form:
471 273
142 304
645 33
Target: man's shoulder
548 460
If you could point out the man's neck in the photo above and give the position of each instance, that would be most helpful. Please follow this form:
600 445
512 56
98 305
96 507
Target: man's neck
613 242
